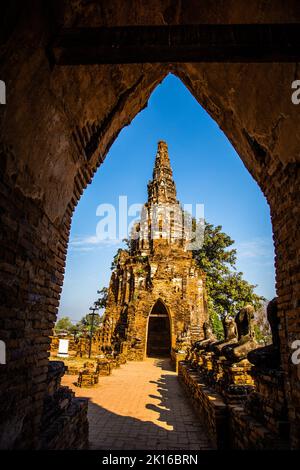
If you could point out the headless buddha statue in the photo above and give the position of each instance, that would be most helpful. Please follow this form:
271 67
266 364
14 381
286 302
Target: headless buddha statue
269 356
239 350
183 340
209 337
230 336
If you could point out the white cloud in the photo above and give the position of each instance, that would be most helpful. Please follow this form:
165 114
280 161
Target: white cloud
91 243
261 248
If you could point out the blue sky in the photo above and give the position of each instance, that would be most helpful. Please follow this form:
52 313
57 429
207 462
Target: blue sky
206 170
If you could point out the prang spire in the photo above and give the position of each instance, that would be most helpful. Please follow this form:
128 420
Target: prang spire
162 189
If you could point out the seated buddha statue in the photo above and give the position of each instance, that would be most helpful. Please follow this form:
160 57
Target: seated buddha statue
269 356
209 337
183 340
230 336
239 350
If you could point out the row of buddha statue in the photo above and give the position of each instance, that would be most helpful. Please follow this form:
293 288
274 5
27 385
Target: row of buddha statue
239 342
245 374
228 362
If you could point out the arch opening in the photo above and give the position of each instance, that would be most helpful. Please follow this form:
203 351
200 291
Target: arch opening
260 133
159 331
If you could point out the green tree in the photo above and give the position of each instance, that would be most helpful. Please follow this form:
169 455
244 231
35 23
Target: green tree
64 324
103 296
231 293
215 319
214 257
115 260
128 246
227 291
85 324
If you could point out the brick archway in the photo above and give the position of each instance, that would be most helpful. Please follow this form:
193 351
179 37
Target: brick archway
158 330
57 130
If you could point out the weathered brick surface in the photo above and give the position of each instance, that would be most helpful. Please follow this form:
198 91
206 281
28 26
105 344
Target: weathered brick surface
209 405
46 132
28 310
268 404
64 423
248 433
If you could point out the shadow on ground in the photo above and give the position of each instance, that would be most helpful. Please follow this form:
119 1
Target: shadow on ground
109 430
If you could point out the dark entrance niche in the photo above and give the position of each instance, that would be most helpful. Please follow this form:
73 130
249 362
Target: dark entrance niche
158 338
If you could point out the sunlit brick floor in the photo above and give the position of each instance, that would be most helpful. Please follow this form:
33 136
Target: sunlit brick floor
141 406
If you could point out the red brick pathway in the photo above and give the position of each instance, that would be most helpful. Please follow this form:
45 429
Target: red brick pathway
141 406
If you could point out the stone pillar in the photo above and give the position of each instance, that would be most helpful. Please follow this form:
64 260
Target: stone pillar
282 191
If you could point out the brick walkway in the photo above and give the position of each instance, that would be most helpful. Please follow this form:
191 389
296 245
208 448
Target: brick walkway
141 406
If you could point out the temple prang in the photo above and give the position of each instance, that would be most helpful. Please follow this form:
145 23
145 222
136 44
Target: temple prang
157 297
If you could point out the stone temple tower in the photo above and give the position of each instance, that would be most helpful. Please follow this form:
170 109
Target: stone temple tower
156 302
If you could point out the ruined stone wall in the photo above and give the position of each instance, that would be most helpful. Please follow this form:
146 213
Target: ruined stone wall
282 190
208 404
177 304
31 276
55 116
64 423
168 274
247 433
230 425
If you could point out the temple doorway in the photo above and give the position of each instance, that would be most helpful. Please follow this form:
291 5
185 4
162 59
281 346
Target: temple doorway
158 337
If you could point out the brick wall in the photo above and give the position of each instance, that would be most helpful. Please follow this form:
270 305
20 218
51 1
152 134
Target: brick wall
208 404
55 119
